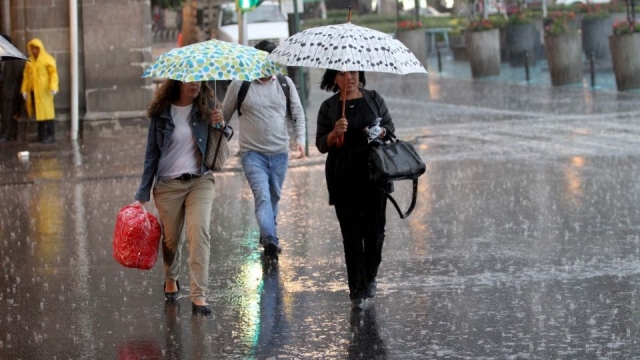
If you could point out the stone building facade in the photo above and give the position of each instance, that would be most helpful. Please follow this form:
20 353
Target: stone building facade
114 49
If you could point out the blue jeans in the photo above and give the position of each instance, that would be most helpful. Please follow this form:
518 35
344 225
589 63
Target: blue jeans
265 174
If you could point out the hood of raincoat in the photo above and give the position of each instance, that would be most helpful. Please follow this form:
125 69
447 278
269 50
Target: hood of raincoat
37 43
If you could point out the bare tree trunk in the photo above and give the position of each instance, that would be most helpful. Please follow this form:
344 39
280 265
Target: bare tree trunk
189 31
462 8
388 6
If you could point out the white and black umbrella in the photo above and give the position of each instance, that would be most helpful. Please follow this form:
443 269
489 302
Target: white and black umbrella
347 47
9 52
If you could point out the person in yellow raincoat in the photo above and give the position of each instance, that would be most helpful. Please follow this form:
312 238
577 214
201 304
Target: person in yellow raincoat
39 85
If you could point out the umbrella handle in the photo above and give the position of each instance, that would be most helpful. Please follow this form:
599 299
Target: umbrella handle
215 95
340 139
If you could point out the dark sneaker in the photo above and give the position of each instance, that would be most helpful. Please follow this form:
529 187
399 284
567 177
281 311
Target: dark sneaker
358 304
372 287
272 250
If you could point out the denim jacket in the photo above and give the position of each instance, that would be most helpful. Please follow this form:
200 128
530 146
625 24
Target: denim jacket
160 131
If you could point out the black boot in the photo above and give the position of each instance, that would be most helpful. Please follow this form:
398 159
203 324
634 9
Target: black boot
49 132
8 131
41 130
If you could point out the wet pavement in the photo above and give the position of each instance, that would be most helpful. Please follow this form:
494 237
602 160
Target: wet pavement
524 243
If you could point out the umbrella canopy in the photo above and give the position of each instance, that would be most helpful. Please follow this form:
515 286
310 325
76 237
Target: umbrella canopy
213 60
9 52
347 47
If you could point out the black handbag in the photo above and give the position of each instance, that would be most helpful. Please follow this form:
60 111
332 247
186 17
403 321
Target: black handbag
395 160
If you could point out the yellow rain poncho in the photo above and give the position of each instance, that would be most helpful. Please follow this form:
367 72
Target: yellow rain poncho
40 81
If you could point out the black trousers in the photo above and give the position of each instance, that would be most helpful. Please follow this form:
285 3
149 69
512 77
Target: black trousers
46 130
8 125
361 211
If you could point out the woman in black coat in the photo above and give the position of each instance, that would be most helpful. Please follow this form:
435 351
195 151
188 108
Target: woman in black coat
360 204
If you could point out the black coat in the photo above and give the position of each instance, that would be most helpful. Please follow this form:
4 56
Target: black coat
350 161
12 79
10 97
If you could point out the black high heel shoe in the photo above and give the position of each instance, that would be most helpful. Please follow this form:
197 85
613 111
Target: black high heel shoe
171 296
204 310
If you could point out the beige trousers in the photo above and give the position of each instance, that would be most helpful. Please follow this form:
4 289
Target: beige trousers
186 205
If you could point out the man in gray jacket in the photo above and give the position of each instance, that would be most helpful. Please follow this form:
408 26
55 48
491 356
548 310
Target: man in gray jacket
264 142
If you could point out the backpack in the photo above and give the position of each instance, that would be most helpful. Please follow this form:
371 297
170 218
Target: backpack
244 88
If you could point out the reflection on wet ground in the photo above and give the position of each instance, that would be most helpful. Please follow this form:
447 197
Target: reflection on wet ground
524 244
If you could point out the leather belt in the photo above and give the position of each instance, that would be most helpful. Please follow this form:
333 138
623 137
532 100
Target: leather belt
187 177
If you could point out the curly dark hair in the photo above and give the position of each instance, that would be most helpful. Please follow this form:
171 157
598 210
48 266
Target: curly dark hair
328 84
169 92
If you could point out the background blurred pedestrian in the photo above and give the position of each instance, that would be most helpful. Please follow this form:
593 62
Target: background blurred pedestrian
359 203
10 99
39 85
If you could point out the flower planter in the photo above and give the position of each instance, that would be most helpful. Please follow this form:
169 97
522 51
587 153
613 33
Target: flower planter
458 47
416 41
564 55
625 56
595 38
483 51
522 38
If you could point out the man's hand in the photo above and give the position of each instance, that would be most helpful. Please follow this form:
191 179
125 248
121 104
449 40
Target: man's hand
300 149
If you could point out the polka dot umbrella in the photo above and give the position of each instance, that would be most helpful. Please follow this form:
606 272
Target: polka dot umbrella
213 60
347 47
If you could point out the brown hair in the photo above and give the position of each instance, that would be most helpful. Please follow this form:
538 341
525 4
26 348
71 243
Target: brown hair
169 92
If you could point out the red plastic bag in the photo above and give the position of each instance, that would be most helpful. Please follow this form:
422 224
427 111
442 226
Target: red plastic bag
136 238
138 350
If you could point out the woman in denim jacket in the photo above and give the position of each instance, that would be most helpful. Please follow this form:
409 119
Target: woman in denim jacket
183 188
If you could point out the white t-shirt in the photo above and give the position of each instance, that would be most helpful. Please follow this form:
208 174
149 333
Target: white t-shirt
182 154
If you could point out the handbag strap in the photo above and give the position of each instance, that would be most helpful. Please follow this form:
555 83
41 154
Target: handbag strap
219 143
227 133
414 197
